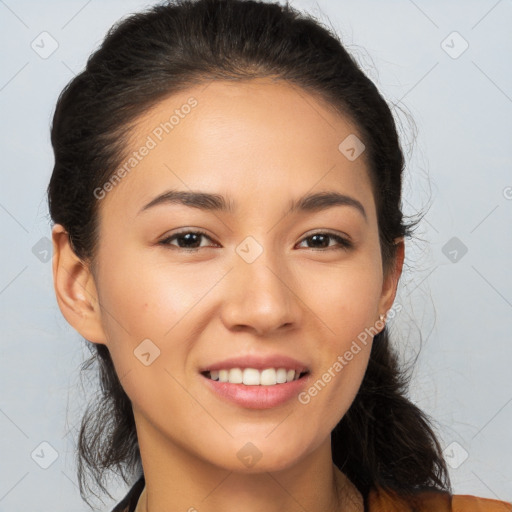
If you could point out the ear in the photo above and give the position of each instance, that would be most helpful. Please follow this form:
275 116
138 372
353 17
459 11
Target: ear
390 283
75 289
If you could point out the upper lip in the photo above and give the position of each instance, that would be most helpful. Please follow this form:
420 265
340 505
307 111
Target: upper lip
258 362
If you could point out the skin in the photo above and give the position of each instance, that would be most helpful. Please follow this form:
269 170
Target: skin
261 143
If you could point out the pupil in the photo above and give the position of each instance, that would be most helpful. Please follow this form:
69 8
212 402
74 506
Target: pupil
188 237
318 240
316 237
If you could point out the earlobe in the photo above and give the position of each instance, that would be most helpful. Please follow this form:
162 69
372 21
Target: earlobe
75 289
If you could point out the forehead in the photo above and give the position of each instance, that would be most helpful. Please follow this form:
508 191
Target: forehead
241 138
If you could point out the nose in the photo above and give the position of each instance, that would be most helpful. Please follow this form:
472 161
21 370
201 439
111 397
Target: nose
261 297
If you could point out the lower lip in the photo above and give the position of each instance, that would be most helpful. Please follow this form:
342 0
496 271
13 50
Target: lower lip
257 397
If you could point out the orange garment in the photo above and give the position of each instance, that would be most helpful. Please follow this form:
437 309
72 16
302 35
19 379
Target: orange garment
380 501
432 501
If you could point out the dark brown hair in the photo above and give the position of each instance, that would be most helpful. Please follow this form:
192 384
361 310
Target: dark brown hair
384 439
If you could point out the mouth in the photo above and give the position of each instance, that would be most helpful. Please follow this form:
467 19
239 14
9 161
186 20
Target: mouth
252 388
254 377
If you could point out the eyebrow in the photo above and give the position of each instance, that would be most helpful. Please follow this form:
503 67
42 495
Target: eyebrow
215 202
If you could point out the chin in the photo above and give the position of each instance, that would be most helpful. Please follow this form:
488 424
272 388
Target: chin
258 456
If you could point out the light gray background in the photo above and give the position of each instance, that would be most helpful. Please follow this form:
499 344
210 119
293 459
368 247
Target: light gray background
459 166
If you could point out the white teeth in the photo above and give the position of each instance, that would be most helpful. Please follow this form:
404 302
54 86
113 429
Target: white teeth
281 375
268 377
235 376
251 377
254 377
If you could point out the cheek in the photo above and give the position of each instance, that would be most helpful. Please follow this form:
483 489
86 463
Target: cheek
346 301
148 299
143 301
145 311
345 298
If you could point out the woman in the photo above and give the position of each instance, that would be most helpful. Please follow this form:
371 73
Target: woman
228 236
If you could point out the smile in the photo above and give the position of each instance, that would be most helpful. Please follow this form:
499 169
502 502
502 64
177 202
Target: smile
255 377
250 388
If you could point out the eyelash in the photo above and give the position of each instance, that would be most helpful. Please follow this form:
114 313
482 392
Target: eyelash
344 244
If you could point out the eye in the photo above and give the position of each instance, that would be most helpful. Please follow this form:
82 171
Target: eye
186 240
321 240
191 241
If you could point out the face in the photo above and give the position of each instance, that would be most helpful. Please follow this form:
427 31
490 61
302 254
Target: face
195 287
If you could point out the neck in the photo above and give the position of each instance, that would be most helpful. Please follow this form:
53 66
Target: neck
177 481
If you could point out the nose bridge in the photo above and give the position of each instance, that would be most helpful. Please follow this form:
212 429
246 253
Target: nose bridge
261 296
